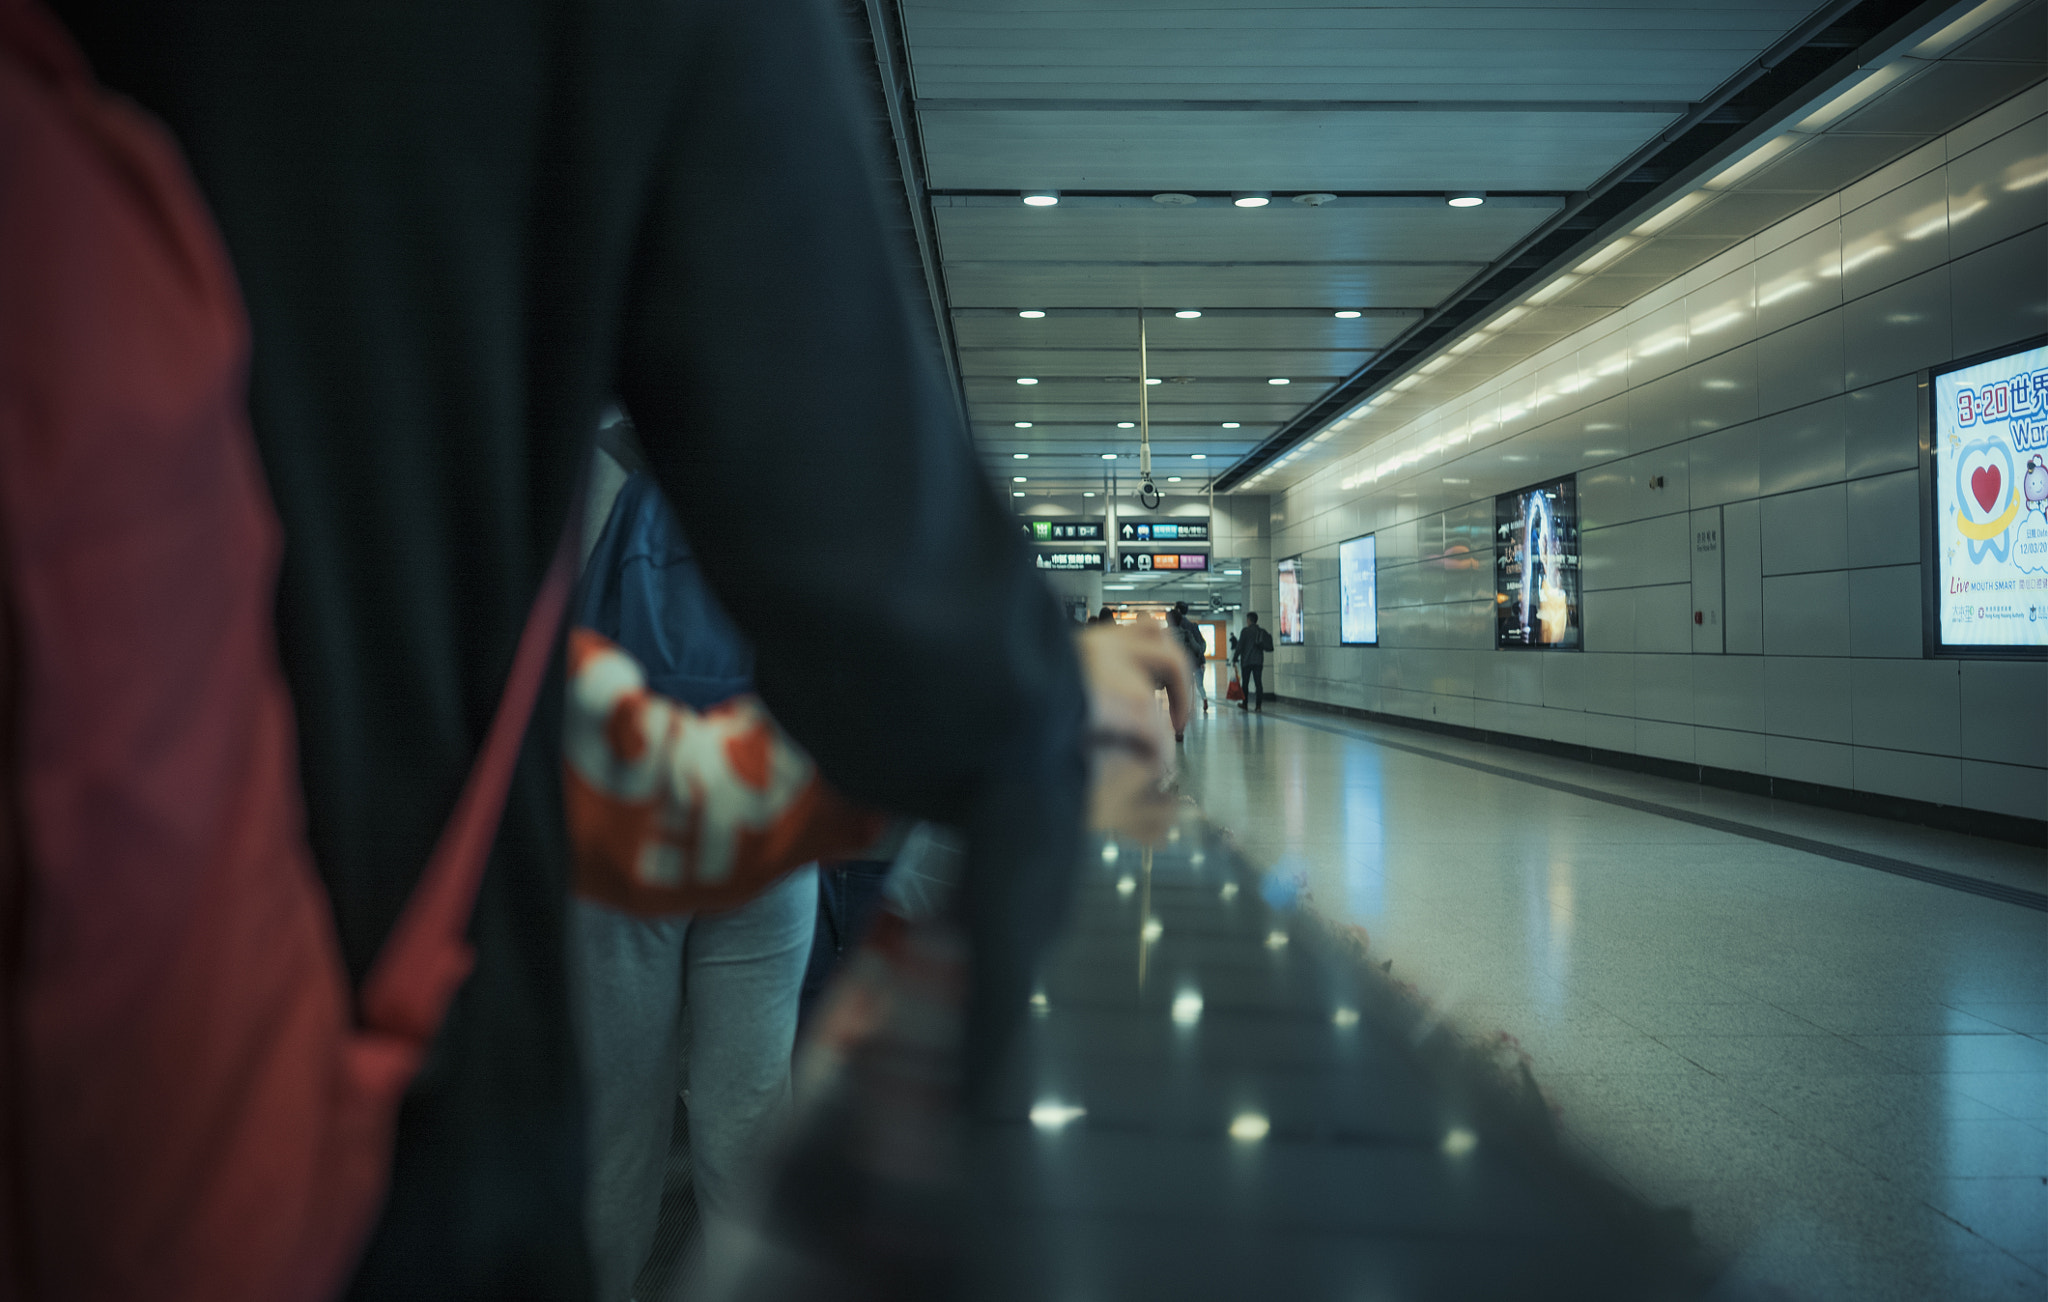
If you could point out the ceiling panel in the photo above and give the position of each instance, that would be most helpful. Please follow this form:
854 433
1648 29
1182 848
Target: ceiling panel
1282 232
1319 331
983 284
1166 363
1389 106
1145 150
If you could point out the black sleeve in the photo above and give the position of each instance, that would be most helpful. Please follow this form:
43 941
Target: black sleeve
795 408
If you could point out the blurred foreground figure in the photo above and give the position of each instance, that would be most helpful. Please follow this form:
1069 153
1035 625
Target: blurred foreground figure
459 228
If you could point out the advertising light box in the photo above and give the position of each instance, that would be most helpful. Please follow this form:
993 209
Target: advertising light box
1536 567
1290 632
1358 591
1990 478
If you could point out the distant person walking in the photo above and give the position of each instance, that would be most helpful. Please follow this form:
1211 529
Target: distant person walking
1252 646
1190 635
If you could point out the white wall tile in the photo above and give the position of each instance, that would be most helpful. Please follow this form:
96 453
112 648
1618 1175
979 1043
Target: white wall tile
1806 531
1722 390
1663 623
1664 687
1609 682
1934 778
1721 748
1610 619
1801 363
1821 212
1610 732
1988 200
1722 466
2005 789
1802 446
1884 611
1807 615
1742 576
1564 680
1657 343
1643 552
1884 519
1621 491
1895 236
1670 741
1883 427
2005 711
1728 691
1807 698
1658 413
1928 158
1996 121
1822 762
1898 329
1800 280
2001 293
1906 705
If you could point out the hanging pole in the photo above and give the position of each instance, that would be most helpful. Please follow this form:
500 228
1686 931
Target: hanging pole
1144 405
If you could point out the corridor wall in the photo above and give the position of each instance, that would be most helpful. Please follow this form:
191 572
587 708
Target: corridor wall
1770 393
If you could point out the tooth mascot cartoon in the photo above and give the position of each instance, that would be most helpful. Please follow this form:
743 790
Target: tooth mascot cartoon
2035 485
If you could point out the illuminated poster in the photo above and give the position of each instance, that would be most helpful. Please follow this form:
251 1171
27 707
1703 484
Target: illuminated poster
1536 567
1358 591
1990 471
1290 633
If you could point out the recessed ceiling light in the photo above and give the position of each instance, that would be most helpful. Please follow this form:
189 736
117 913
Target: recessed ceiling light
1041 198
1020 456
1153 379
1199 456
1230 424
1278 379
1466 199
1187 314
1023 424
1031 314
1109 456
1026 379
1018 493
1087 494
1233 571
1127 424
1250 198
1347 315
1173 479
1019 479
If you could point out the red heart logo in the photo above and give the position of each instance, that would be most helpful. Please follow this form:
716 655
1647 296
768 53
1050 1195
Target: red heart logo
1984 481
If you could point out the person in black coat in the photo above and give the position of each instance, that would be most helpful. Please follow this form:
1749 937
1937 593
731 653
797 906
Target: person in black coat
1252 646
460 230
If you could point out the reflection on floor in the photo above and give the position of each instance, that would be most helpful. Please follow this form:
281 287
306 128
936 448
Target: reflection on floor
1842 1071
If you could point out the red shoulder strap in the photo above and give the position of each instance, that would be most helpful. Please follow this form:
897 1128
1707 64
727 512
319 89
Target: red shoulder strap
427 956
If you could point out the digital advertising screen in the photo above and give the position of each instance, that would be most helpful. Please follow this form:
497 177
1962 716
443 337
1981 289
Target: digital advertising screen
1290 630
1536 567
1990 473
1358 593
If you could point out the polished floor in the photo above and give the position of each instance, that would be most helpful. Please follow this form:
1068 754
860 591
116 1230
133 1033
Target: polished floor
1751 1009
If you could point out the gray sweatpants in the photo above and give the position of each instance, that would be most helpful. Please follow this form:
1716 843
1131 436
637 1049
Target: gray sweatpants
705 1003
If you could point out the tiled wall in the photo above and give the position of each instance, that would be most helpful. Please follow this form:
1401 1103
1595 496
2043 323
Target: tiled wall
1773 391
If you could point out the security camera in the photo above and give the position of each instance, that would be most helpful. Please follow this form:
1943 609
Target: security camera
1148 495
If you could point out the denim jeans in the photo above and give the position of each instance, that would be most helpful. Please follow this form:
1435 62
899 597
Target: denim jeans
705 1003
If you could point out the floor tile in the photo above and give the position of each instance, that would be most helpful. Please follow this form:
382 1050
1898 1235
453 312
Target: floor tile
1960 1053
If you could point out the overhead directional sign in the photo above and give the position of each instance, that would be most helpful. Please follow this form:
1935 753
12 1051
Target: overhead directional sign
1070 560
1164 531
1143 562
1063 530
